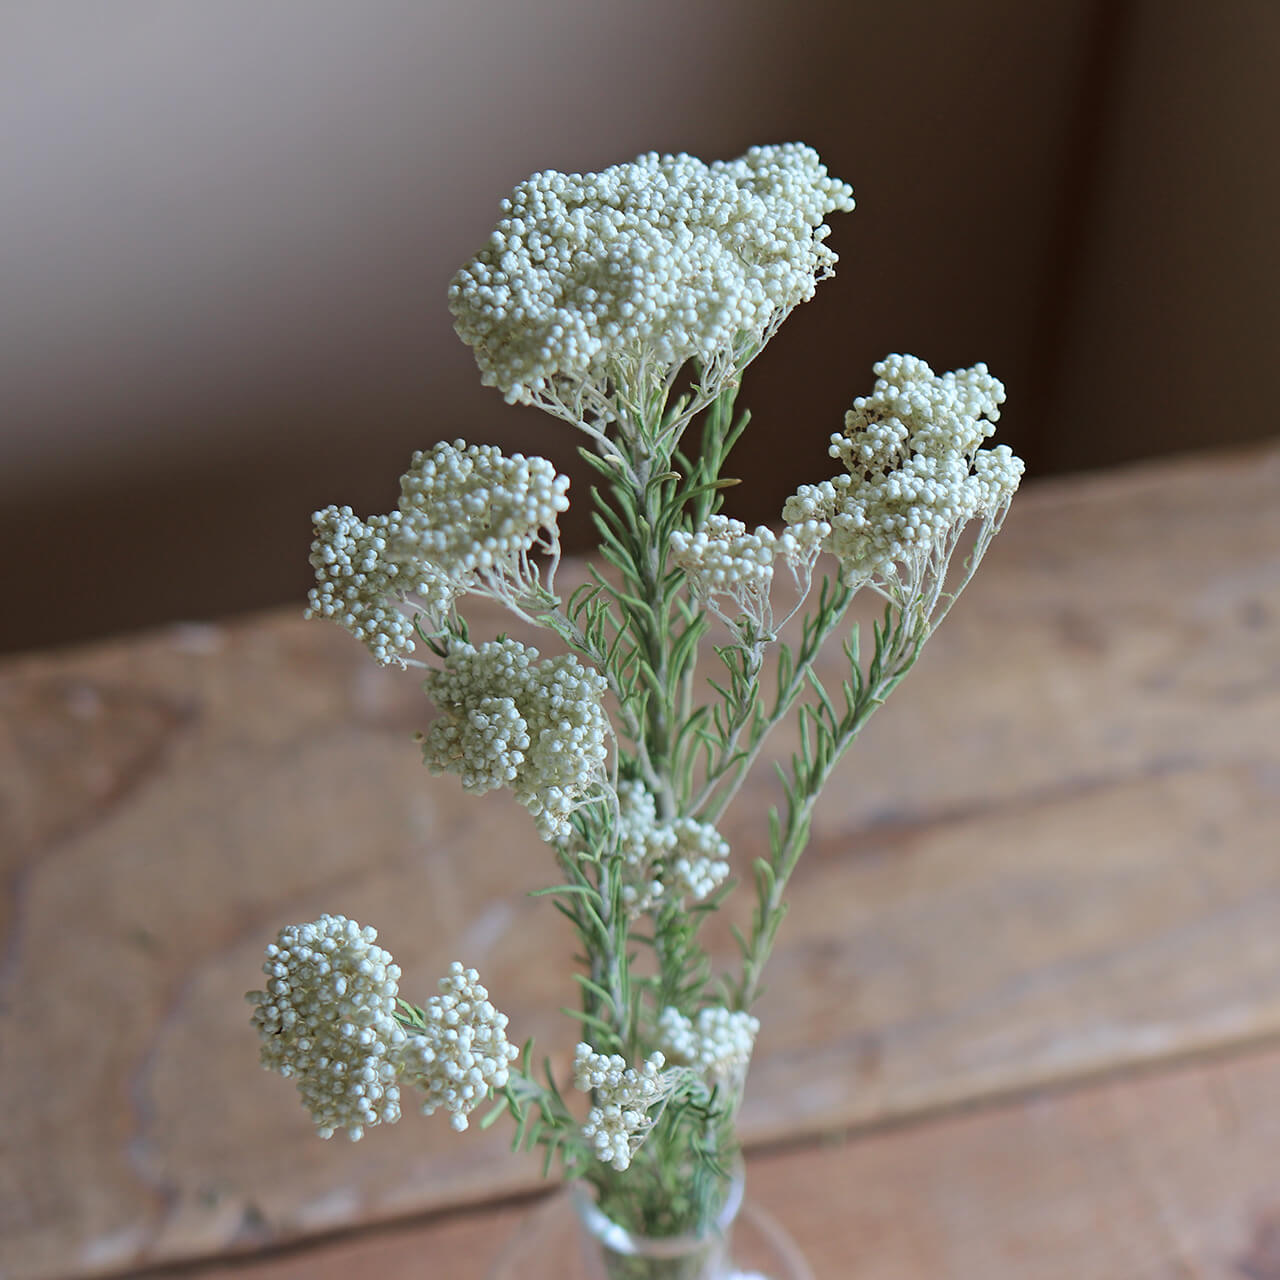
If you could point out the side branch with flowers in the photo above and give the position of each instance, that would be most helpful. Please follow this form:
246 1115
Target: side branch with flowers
595 298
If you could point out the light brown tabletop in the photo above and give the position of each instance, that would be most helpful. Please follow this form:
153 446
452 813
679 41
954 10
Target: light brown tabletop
1024 1018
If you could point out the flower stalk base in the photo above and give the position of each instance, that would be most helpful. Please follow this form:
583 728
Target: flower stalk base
569 1238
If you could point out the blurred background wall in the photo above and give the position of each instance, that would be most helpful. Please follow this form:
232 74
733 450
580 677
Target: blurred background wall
227 226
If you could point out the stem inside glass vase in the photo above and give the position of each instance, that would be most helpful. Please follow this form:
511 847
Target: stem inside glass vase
570 1237
615 1252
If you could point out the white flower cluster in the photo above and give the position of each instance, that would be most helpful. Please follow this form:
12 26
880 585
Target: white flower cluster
358 582
722 558
718 1042
327 1020
916 474
699 862
463 1054
509 720
679 859
616 1124
467 510
642 844
466 513
667 258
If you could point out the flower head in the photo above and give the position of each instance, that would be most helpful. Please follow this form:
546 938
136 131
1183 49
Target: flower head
360 584
665 259
718 1042
665 861
915 474
327 1021
617 1123
468 518
643 844
723 560
463 1053
468 509
508 719
698 863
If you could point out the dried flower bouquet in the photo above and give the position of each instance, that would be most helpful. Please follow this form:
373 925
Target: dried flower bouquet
628 303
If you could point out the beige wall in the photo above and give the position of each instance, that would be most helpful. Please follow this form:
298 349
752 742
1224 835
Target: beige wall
227 230
1172 332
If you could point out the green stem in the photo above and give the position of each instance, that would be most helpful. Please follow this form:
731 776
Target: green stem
807 782
734 766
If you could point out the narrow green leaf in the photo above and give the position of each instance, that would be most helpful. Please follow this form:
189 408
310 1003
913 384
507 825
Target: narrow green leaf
583 889
488 1120
590 1020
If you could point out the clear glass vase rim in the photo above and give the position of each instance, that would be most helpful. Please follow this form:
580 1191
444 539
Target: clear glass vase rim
627 1243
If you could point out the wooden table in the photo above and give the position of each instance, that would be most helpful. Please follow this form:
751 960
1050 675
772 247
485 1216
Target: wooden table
1024 1021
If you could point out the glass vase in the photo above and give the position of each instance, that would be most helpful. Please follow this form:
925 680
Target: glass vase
570 1238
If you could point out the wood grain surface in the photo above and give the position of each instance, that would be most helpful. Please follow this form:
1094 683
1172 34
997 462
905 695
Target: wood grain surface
1150 1177
1054 857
